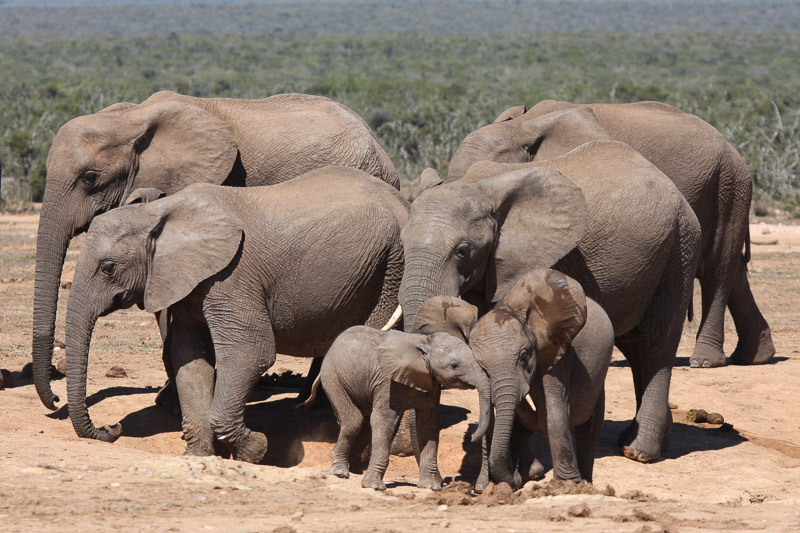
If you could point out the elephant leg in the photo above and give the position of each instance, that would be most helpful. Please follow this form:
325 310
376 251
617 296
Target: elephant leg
714 290
351 423
554 418
428 435
627 435
587 435
360 452
168 394
193 357
384 422
755 339
245 348
522 452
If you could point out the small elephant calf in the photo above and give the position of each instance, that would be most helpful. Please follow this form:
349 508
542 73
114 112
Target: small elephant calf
371 377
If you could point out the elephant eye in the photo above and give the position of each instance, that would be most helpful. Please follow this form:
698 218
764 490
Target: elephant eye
108 268
453 364
462 250
89 178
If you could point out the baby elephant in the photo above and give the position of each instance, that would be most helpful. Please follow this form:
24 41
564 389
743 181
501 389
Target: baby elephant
371 377
547 338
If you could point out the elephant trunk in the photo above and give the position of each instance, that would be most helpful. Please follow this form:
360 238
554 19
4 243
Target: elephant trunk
81 319
420 282
51 249
485 404
505 396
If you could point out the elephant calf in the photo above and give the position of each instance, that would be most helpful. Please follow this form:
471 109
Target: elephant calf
243 272
371 377
547 337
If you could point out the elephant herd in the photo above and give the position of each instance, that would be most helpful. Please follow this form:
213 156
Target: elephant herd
256 227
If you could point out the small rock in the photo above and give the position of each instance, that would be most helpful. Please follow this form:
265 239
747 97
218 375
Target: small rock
66 285
297 516
766 231
697 415
715 418
673 405
442 507
61 365
59 344
580 510
114 485
116 372
284 529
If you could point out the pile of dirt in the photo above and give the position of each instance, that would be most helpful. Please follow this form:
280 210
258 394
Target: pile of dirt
461 493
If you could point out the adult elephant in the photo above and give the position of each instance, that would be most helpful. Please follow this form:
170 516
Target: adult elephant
707 170
244 273
167 142
602 214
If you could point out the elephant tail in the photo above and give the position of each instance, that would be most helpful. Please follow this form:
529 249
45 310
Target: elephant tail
747 245
313 395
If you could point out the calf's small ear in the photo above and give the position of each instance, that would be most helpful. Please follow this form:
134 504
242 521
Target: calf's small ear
554 308
143 195
430 177
445 313
511 113
402 357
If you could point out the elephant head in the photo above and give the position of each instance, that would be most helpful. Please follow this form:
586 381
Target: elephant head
483 233
437 353
96 160
516 138
152 255
532 327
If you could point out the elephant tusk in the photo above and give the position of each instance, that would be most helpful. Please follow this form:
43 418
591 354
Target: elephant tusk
530 402
395 317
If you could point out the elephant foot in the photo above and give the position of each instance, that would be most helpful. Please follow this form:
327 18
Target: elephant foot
338 470
168 397
626 435
373 481
536 471
646 449
200 450
706 356
754 353
252 448
430 482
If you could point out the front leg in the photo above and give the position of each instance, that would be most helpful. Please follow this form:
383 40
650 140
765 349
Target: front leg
193 358
245 348
555 421
428 438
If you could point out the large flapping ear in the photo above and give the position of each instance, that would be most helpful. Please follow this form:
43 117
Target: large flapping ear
194 238
542 217
143 195
178 143
402 357
511 113
430 177
554 307
558 132
445 313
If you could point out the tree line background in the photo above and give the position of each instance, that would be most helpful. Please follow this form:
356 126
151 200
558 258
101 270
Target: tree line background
423 74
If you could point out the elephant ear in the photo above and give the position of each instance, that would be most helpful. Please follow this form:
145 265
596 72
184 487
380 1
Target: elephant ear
178 143
119 106
194 237
430 177
445 313
541 216
554 307
403 358
143 196
556 133
511 113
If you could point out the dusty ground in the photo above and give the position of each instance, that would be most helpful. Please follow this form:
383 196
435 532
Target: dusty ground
744 479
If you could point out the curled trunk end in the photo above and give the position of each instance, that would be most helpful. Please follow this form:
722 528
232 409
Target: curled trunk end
485 403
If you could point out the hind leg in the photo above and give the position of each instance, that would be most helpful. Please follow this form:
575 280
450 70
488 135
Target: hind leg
352 424
755 339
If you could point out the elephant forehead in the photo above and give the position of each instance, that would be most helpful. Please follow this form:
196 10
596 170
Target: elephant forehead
494 326
447 342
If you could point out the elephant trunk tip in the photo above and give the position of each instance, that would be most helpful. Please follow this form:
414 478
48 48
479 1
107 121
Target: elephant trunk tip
109 433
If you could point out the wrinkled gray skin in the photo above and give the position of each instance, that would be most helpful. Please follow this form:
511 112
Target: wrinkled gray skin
557 345
371 377
168 142
244 272
601 214
707 170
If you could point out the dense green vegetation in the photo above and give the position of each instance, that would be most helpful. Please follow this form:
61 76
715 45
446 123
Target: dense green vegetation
422 92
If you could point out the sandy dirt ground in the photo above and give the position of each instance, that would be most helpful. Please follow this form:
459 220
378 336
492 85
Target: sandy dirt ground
743 479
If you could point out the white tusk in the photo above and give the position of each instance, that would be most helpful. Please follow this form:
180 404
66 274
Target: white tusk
530 402
395 317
